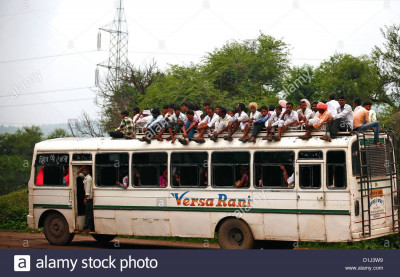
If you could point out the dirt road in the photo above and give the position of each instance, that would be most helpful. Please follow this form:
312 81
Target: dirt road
15 240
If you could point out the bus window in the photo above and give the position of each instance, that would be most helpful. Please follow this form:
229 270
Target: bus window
111 168
310 176
149 169
268 171
336 169
189 169
230 169
52 170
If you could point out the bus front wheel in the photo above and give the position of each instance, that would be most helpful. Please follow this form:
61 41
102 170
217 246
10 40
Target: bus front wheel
235 234
103 238
56 229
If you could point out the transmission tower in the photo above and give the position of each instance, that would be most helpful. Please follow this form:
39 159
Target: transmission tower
117 62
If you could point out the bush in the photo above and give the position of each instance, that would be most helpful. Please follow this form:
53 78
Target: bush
13 211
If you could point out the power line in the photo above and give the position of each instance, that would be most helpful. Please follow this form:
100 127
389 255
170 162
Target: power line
61 101
48 91
51 56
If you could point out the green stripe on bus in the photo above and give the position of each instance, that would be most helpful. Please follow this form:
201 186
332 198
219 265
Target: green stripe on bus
378 180
54 206
239 209
375 188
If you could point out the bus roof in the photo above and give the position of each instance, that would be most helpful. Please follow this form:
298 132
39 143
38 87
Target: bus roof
109 144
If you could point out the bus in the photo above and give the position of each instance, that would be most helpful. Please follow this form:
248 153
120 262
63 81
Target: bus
341 191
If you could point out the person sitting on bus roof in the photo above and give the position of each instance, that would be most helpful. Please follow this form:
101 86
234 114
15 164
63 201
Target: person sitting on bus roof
304 112
207 123
188 128
125 129
154 127
254 115
271 109
343 121
272 122
231 113
314 109
361 116
240 117
143 119
333 105
206 105
223 121
163 179
372 113
356 104
174 123
258 124
184 107
244 180
289 181
289 117
135 114
197 112
315 123
123 176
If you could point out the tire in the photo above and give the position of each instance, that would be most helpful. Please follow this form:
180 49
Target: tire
103 238
235 234
56 229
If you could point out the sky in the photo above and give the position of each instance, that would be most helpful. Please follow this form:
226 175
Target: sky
48 48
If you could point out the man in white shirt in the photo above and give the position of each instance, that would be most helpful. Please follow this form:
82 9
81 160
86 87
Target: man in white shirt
240 121
254 115
303 112
223 121
173 123
272 122
83 172
333 105
154 127
207 123
289 117
342 121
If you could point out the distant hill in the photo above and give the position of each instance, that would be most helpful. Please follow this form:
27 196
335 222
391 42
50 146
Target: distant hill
46 128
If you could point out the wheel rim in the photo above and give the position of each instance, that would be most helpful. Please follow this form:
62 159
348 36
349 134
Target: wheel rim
57 227
236 236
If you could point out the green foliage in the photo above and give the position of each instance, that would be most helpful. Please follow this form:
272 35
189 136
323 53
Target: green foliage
13 211
344 74
299 83
58 133
388 62
14 173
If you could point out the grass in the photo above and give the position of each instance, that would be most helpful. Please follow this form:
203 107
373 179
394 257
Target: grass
14 209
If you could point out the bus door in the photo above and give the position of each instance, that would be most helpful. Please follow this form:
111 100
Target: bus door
78 190
310 195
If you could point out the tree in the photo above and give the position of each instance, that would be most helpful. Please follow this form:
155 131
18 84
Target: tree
86 127
299 83
248 69
21 143
58 133
344 74
387 60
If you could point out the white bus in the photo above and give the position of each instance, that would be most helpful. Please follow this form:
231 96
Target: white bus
345 190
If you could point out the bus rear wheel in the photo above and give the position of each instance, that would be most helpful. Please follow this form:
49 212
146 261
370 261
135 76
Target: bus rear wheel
56 229
235 234
103 238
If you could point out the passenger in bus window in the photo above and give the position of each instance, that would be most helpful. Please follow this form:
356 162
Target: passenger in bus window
203 177
123 176
223 122
289 117
125 129
188 128
316 122
84 172
289 181
66 175
136 178
240 117
244 180
163 179
272 122
206 124
175 177
258 124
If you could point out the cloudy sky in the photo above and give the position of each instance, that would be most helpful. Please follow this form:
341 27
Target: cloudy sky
48 49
